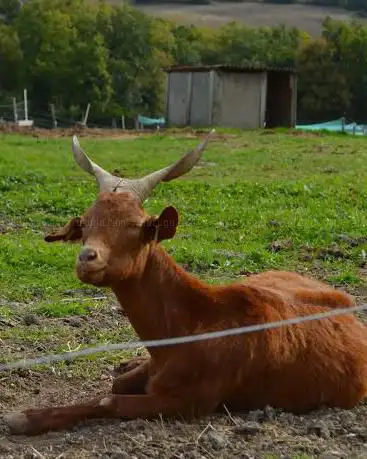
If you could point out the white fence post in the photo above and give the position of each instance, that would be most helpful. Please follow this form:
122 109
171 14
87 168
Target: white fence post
25 105
86 115
53 114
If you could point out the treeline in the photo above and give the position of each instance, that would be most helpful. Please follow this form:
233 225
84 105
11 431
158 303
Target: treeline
71 53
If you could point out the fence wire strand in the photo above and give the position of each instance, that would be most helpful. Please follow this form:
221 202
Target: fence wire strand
68 356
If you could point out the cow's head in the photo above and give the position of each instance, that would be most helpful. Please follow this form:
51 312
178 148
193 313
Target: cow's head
115 231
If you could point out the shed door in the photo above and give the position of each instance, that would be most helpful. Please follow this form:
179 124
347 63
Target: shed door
280 103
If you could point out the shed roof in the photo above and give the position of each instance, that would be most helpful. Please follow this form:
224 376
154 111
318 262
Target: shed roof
228 68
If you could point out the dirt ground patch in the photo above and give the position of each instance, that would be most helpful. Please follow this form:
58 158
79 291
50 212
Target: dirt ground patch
330 433
67 132
106 133
327 434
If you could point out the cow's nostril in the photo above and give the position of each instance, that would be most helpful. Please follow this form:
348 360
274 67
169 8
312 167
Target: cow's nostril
87 255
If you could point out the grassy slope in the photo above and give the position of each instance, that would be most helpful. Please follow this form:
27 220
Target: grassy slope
306 17
251 190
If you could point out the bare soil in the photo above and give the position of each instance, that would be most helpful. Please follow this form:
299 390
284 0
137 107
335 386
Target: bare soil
68 132
330 433
186 132
305 17
112 134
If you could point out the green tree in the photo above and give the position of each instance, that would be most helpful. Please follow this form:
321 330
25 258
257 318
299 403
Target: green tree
189 42
10 58
323 90
138 50
9 10
348 45
64 58
242 45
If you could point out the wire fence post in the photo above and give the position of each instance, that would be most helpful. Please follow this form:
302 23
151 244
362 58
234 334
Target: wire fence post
15 110
25 105
123 123
53 114
84 122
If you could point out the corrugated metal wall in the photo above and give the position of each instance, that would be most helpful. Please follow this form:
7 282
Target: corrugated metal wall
219 98
240 100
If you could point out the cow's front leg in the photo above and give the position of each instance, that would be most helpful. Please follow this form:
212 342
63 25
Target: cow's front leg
38 421
129 365
133 380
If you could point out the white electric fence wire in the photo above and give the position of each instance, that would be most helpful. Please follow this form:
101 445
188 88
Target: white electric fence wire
67 356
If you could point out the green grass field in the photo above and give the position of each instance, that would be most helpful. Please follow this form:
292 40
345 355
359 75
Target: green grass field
249 191
256 201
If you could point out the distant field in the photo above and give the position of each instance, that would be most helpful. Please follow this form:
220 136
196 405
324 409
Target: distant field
306 17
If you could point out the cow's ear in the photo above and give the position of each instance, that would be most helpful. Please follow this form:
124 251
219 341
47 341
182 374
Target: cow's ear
162 227
71 232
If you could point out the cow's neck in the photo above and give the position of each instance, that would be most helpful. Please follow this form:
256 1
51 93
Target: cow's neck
165 301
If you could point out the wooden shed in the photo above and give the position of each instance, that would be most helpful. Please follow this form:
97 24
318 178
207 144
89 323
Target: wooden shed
231 96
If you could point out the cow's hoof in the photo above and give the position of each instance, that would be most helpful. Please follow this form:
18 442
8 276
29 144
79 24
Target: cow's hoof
17 423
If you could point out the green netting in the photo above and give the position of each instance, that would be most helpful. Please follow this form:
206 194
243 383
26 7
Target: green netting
335 126
145 121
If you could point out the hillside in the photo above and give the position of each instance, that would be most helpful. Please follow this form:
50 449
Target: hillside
306 17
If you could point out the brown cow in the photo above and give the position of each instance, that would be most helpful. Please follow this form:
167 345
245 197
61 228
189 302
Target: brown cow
297 367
